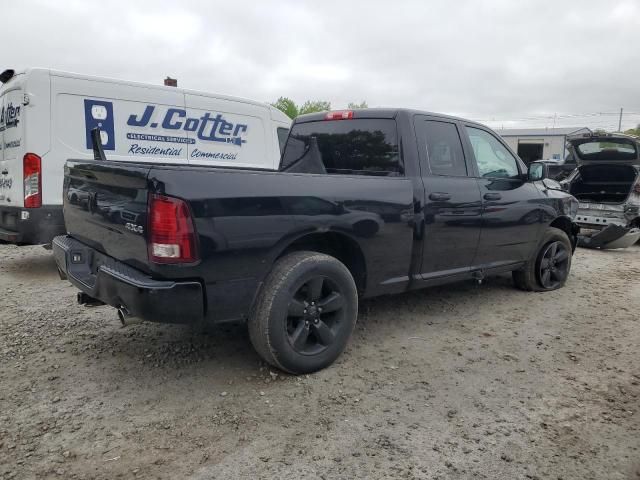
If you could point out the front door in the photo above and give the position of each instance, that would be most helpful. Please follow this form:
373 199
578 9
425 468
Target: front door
452 200
511 208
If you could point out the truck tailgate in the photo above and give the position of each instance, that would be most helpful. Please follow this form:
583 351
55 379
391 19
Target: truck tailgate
105 206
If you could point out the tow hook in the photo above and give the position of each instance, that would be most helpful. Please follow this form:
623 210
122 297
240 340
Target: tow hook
126 318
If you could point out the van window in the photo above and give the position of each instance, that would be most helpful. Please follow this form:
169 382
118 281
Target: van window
441 143
364 146
493 159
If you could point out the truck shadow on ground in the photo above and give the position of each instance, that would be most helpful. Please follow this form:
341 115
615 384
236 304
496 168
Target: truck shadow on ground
226 348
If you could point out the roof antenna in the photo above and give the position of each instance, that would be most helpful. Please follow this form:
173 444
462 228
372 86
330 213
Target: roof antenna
96 140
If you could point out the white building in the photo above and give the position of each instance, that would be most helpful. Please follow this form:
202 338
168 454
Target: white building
540 143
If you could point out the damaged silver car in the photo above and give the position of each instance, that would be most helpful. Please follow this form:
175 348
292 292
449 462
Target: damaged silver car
606 183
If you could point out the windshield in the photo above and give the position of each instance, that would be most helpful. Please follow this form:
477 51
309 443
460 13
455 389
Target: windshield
613 149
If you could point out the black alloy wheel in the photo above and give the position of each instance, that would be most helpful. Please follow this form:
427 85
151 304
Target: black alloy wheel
315 312
554 265
305 312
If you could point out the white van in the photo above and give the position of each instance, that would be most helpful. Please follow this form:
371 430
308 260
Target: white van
46 117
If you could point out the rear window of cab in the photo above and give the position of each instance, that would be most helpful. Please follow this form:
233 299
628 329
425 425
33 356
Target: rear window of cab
366 146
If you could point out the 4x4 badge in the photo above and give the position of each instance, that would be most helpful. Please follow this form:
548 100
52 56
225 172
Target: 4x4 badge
134 228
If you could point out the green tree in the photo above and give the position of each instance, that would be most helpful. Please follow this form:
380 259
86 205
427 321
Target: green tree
633 131
311 106
353 105
288 106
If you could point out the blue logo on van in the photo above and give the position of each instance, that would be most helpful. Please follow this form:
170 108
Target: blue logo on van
98 113
209 127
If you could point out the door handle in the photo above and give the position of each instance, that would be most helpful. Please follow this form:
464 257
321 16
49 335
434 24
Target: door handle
492 196
5 172
439 196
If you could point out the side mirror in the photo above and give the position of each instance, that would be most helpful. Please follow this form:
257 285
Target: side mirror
537 171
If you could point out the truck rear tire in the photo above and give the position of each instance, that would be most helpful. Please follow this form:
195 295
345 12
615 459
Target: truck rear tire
304 313
549 266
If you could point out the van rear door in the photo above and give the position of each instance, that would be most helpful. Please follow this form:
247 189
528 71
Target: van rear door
12 146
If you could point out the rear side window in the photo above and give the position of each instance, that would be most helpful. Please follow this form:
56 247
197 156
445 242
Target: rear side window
349 147
441 143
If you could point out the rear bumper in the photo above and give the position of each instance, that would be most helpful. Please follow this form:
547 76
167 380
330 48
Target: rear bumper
31 225
119 285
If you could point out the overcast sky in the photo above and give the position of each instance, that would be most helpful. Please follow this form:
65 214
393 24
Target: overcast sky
500 60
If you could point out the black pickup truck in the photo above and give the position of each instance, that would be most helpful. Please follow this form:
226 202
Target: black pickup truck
366 202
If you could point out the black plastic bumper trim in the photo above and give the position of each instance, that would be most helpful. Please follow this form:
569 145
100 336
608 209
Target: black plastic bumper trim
119 285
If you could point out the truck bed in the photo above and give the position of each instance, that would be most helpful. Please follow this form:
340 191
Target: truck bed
244 219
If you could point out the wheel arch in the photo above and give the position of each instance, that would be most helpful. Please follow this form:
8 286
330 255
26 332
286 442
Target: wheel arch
565 224
336 244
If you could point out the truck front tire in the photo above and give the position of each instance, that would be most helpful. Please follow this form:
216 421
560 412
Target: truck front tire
305 312
549 266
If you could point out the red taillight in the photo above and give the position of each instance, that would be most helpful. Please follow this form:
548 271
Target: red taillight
32 175
636 188
172 237
339 115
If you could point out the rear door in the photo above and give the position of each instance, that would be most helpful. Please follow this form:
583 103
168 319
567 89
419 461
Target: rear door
511 207
452 199
12 143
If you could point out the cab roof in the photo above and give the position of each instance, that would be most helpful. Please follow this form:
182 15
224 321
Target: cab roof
381 113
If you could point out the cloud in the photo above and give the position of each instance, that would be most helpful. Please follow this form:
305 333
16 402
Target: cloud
493 59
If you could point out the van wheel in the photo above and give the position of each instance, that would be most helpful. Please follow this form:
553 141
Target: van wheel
304 313
549 267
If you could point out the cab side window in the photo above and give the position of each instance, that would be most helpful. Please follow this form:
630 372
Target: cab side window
440 144
493 159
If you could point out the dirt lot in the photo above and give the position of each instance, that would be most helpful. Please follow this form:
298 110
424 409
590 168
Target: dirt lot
463 381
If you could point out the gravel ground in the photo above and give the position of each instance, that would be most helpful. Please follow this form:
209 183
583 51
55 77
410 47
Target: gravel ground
462 381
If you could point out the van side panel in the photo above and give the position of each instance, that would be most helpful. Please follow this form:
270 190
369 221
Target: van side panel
136 121
52 114
238 139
